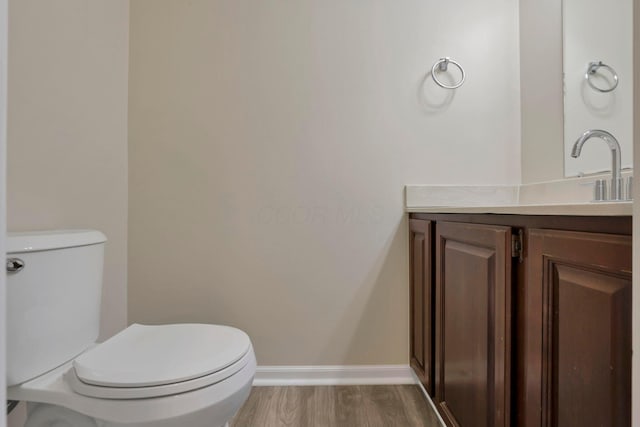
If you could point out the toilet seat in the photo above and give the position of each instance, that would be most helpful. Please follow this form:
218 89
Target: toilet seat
102 392
152 361
208 406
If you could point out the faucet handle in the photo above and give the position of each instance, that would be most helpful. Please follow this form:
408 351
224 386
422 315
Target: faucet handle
616 190
628 188
600 190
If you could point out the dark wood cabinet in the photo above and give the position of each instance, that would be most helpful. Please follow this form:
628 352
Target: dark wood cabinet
577 357
421 310
473 306
523 320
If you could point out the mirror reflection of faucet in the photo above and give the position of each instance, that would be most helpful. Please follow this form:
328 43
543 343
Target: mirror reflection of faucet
619 192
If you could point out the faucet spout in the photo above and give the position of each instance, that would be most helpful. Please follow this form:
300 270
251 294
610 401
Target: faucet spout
614 146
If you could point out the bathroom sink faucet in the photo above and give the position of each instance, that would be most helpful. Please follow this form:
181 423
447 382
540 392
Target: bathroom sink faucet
614 146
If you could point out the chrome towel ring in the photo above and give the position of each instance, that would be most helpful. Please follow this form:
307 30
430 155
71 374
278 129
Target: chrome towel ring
441 66
592 70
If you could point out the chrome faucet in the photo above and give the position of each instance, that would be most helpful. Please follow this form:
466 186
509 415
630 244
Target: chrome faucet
614 146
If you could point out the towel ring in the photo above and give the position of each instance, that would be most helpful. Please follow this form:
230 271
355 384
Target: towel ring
593 68
442 65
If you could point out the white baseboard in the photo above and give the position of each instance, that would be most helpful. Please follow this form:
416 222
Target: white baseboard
333 375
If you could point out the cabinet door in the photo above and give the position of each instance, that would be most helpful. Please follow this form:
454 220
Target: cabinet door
473 316
577 327
421 301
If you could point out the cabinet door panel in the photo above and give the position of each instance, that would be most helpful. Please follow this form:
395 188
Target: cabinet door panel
421 334
577 357
473 314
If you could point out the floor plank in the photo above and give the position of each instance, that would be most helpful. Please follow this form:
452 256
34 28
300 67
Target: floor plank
336 406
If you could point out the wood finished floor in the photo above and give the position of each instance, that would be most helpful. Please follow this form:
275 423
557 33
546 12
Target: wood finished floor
336 406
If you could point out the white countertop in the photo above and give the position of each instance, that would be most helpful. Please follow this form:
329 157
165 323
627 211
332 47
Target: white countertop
577 209
563 197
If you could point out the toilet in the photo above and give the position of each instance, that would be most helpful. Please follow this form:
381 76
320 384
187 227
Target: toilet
182 375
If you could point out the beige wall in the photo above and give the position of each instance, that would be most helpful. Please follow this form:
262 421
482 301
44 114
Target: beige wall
67 141
4 11
541 94
269 145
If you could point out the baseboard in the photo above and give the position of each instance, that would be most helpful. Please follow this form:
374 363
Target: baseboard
333 375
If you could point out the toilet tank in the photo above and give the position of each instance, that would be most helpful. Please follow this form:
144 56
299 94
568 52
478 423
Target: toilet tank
53 302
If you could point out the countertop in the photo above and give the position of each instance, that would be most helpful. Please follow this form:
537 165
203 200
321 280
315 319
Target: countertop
564 197
578 209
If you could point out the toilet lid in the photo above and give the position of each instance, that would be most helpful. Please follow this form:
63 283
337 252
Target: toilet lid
142 356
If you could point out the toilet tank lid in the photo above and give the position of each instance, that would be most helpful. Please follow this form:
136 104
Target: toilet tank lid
34 241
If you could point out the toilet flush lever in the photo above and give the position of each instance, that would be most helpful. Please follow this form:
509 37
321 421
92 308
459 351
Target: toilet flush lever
14 265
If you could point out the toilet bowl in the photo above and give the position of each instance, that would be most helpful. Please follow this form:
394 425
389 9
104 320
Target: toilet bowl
189 375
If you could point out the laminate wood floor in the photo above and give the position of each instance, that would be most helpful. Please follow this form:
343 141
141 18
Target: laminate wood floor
336 406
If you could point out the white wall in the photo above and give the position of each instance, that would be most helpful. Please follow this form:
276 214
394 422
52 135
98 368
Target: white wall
4 32
597 30
541 91
544 151
67 135
269 145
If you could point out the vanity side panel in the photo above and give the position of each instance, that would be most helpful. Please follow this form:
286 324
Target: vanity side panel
421 308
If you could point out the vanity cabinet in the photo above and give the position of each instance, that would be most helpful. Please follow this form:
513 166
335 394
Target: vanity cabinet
421 310
473 324
577 332
531 320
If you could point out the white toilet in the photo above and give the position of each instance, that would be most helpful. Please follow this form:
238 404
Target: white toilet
185 375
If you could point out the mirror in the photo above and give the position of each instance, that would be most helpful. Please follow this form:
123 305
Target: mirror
598 78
